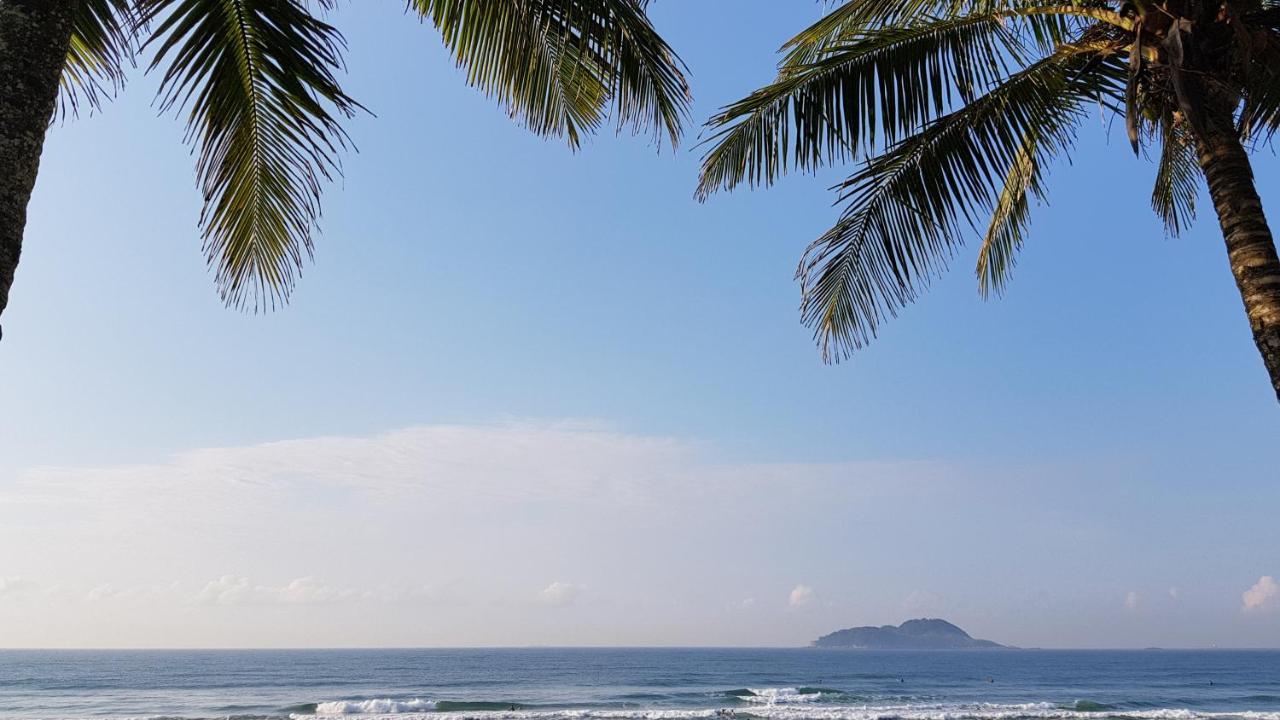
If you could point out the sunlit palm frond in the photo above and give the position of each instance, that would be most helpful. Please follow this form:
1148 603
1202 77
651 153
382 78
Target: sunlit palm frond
1024 178
256 78
101 43
908 208
1009 217
1047 22
876 86
875 82
853 19
1177 178
561 66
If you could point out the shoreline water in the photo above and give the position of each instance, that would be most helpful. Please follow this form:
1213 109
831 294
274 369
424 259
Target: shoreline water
640 684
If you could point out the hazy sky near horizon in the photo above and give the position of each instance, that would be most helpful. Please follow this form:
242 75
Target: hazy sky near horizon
526 396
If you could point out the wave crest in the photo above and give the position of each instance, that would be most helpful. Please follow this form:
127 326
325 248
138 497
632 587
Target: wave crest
781 696
787 704
377 706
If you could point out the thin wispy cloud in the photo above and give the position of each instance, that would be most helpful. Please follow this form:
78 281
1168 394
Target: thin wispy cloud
462 524
233 590
559 593
14 584
354 540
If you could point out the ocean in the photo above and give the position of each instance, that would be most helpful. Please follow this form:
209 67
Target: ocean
648 684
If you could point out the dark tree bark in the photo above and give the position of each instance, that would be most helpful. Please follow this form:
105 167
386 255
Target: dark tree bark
1250 247
34 37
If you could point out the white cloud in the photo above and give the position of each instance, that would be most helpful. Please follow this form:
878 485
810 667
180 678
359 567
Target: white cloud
506 463
226 590
475 521
559 593
800 596
306 591
233 590
1262 595
14 584
512 463
1132 600
110 591
106 591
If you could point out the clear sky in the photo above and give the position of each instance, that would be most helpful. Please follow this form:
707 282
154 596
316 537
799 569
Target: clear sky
526 396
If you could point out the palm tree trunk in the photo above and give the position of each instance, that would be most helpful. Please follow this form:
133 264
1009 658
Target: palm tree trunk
34 37
1250 247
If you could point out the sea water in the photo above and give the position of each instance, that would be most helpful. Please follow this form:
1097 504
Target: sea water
647 684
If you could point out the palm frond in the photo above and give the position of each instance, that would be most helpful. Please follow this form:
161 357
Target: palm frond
878 85
854 19
873 81
1009 218
1049 23
256 79
1261 73
561 66
1024 179
1011 213
908 208
101 43
1177 178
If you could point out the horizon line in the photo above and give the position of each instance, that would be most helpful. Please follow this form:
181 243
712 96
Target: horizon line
329 648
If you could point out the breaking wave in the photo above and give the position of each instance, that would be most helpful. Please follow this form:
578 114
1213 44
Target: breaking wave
783 696
378 706
768 704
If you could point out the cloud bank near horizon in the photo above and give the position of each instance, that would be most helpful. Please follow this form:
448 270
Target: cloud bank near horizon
528 533
467 522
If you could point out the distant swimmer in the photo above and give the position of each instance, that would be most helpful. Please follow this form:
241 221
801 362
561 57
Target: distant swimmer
901 680
513 708
991 680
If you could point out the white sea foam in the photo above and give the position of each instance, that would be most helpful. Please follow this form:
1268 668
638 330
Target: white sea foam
379 706
779 696
787 709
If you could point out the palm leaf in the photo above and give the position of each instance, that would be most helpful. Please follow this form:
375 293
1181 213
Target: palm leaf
561 66
876 85
873 81
1261 72
908 209
1050 23
1177 178
256 78
1009 218
101 42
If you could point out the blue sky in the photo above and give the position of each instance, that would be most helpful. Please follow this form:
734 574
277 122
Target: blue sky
1044 469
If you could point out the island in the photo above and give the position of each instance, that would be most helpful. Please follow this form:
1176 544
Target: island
919 634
